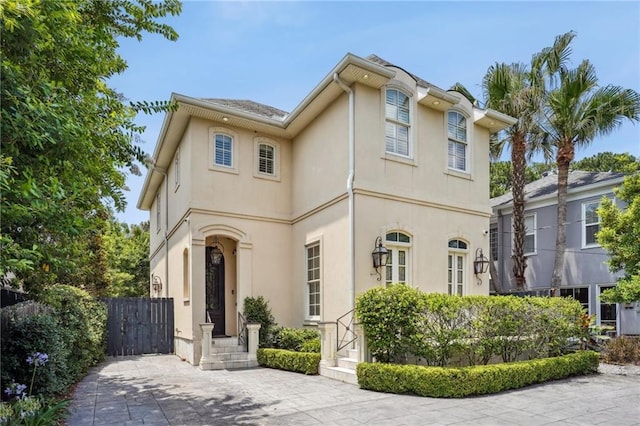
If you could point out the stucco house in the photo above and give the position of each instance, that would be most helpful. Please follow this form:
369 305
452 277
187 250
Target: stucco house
249 200
586 273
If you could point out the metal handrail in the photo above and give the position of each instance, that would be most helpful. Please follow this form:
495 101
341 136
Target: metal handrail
349 335
242 332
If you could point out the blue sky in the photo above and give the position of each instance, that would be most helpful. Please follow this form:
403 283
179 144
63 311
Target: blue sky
276 52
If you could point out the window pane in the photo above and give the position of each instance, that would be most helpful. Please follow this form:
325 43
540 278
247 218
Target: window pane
403 238
462 245
401 274
529 223
402 257
529 244
590 214
392 236
590 234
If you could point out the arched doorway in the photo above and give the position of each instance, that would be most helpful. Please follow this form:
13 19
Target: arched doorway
215 290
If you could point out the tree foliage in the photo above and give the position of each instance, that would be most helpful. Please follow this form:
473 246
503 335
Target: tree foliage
620 235
67 138
127 256
609 162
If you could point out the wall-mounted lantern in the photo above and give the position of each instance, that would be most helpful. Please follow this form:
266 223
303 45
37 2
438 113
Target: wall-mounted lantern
156 283
217 252
481 264
380 256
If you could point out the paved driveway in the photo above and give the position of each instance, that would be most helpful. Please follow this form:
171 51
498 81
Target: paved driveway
162 390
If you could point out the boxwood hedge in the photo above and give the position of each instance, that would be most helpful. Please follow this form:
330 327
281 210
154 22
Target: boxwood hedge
301 362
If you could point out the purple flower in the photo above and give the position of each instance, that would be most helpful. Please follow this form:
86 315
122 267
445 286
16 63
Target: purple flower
38 358
8 391
20 388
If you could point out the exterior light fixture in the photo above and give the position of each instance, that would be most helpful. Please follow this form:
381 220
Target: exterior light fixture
225 118
380 256
366 76
217 252
481 264
436 102
156 283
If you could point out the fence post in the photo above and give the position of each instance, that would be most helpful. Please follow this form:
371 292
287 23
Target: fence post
253 339
363 349
206 328
328 343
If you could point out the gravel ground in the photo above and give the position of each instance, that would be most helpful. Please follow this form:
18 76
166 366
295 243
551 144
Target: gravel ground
623 370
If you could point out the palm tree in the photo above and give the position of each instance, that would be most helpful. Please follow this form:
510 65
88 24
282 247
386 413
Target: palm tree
508 88
576 112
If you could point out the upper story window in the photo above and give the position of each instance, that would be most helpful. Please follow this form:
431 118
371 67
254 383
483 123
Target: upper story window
456 267
223 150
397 269
158 212
530 234
591 223
266 159
457 141
176 168
398 123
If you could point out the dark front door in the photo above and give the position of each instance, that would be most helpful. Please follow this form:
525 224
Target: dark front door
215 290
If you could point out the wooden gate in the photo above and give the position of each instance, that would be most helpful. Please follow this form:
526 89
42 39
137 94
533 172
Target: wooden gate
137 325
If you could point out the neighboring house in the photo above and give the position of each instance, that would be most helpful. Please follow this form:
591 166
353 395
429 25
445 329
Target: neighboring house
585 273
249 200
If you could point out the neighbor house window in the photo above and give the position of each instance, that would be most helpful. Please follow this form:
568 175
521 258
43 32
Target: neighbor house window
530 234
591 223
398 123
397 269
581 294
493 242
266 159
607 314
176 168
457 141
223 150
313 281
158 213
456 269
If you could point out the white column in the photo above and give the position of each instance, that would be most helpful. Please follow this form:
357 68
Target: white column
328 343
206 329
363 349
253 331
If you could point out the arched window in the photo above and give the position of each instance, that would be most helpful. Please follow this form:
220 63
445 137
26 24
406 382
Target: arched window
398 123
457 141
399 245
185 274
457 267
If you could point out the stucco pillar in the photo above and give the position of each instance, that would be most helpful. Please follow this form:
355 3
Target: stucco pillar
328 354
244 273
253 338
206 329
363 349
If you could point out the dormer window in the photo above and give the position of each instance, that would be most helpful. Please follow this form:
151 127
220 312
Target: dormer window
457 141
398 123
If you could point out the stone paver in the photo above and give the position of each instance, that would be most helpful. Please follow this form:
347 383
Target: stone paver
163 390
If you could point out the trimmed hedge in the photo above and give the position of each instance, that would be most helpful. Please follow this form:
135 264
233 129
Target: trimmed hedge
295 339
300 362
439 382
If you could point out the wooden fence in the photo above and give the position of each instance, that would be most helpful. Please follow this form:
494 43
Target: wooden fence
14 313
139 326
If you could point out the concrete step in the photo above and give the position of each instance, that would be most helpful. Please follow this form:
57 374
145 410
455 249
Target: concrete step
225 341
226 349
232 356
352 353
211 364
345 375
349 363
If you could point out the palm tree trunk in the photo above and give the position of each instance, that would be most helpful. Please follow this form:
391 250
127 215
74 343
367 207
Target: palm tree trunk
563 159
518 163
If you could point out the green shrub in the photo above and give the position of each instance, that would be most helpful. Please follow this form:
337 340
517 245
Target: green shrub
311 346
256 309
623 350
293 339
442 382
33 411
37 333
84 320
300 362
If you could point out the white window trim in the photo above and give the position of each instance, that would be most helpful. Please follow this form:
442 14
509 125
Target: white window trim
311 243
398 245
533 232
213 131
158 212
276 159
465 268
466 173
176 171
412 127
584 225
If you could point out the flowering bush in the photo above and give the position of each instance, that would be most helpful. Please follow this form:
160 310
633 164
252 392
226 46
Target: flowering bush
25 409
